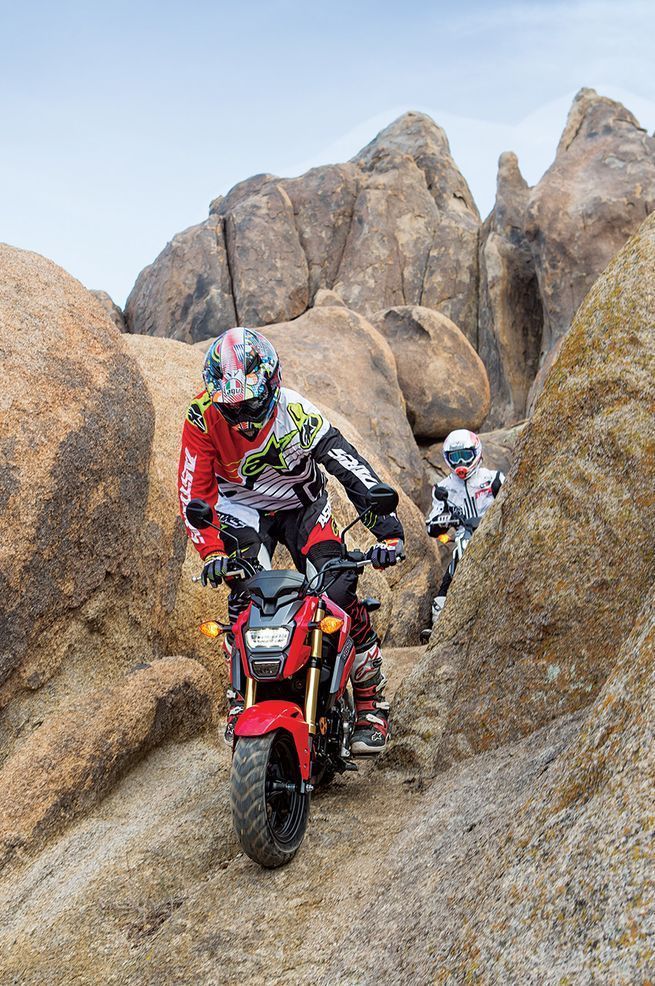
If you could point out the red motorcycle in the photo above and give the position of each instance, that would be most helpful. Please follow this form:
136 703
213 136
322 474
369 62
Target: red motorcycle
291 659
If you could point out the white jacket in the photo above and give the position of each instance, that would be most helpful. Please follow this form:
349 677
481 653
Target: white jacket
473 495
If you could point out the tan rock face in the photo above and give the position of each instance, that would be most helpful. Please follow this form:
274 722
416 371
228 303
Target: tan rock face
546 639
397 225
441 376
595 194
76 757
115 313
173 375
510 312
448 282
264 249
75 431
590 817
186 293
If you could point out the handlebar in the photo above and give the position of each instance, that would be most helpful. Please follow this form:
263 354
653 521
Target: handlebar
457 517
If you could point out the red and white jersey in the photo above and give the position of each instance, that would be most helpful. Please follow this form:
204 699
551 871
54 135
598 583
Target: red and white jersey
278 470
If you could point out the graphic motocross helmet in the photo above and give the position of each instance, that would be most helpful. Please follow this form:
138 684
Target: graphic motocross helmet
462 452
242 377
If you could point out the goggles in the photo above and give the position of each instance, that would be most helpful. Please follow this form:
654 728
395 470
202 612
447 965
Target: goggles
461 456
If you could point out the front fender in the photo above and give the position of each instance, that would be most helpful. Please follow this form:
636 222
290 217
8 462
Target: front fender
265 717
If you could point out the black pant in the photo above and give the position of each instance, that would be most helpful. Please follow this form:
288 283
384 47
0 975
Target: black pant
310 534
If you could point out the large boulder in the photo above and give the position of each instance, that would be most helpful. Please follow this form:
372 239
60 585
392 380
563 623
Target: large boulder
186 293
115 313
440 374
173 374
72 761
592 198
546 638
433 256
510 314
578 899
76 426
396 225
267 264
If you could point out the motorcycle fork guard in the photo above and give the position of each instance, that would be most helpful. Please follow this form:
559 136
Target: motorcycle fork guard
266 717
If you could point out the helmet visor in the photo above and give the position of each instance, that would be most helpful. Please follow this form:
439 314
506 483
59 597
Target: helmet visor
461 457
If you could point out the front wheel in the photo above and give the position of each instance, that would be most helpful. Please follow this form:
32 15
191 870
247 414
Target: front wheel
268 810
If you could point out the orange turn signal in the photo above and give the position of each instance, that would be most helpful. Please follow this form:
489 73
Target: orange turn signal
211 629
330 624
444 538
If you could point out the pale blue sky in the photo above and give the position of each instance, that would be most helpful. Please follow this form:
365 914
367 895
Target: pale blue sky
120 122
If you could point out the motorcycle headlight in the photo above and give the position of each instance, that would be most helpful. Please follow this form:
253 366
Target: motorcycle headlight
268 638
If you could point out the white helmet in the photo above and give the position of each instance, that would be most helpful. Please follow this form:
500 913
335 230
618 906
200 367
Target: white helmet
462 452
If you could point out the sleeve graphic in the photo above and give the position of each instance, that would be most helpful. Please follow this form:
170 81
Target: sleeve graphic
197 479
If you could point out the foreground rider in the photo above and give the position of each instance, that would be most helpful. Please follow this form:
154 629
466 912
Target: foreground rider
469 486
252 449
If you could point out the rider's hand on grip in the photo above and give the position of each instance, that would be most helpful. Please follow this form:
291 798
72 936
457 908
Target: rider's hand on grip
386 553
219 567
440 525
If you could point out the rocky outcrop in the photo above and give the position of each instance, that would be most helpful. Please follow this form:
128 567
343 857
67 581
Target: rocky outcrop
598 190
540 854
76 757
173 374
268 267
542 248
187 292
115 313
545 640
396 225
441 376
448 280
589 818
75 431
510 314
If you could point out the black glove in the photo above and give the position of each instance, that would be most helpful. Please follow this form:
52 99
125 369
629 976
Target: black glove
219 567
439 525
386 553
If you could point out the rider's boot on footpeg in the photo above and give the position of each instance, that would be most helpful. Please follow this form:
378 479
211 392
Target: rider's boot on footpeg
372 722
235 701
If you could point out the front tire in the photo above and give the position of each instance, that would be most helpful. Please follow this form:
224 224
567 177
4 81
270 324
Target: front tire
269 820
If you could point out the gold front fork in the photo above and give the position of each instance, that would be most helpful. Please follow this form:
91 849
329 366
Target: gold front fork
314 671
251 692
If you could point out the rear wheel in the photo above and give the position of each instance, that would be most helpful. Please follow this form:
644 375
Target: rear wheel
268 810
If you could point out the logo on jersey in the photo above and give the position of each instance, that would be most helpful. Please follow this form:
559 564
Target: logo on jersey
308 425
354 466
186 483
272 454
196 413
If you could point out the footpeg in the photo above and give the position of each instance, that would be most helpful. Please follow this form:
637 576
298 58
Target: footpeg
350 765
